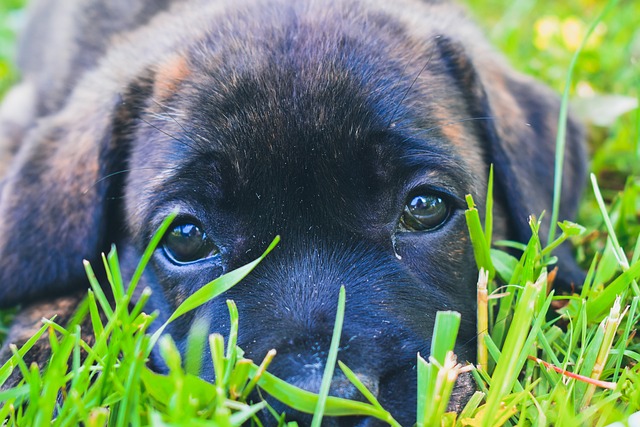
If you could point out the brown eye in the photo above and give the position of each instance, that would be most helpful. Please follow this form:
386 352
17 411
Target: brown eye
424 213
187 242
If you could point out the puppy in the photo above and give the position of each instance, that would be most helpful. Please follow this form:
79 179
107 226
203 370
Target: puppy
352 128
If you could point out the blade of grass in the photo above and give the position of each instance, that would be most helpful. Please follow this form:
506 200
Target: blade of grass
117 285
625 336
483 318
8 366
330 364
562 122
507 368
148 252
610 326
351 376
195 345
212 290
305 401
481 249
432 387
598 306
97 289
488 215
617 249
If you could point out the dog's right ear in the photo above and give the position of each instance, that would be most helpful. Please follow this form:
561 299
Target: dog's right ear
54 197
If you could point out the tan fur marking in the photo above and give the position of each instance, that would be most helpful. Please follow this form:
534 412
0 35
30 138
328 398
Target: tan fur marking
169 76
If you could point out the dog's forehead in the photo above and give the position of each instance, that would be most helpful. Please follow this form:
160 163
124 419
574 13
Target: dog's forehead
298 107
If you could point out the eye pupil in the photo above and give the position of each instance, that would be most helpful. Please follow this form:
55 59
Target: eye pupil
187 243
425 212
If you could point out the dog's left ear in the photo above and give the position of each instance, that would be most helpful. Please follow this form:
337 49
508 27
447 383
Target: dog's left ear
57 194
519 121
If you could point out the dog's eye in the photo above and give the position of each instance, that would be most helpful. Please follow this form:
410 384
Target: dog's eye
187 242
424 212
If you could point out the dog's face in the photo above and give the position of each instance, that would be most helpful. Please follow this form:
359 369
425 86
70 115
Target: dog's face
365 188
347 130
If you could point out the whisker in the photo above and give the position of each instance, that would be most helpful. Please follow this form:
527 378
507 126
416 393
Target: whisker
406 92
108 176
116 173
189 142
171 116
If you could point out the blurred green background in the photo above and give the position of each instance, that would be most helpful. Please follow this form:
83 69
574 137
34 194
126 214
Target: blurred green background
11 15
539 37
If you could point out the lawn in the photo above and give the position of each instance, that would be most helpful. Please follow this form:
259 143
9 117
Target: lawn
571 360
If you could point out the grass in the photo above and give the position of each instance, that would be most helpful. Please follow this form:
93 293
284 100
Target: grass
543 359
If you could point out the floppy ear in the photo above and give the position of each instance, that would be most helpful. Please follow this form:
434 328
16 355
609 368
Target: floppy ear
55 197
520 132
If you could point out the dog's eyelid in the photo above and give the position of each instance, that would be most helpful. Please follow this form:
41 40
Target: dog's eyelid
213 254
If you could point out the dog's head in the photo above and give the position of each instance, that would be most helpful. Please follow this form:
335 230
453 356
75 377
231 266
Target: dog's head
352 132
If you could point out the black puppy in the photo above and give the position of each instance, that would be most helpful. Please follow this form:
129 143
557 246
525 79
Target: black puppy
352 128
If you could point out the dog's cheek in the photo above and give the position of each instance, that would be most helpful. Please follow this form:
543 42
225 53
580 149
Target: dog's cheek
443 257
444 260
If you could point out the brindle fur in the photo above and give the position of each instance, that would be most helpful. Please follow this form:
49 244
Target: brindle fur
312 120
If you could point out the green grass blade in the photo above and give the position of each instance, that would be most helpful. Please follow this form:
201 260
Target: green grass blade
445 332
330 365
631 317
481 248
213 289
244 415
117 285
9 365
148 252
305 401
97 290
431 385
598 307
196 341
488 215
562 123
351 376
617 249
507 368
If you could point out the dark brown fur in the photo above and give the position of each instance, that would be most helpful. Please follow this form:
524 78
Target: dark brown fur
313 120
